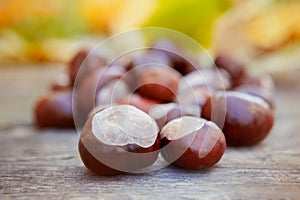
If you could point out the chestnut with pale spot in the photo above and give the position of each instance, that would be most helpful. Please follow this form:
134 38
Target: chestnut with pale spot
119 139
192 143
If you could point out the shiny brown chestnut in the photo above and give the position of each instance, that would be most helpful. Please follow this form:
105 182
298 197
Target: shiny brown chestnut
158 83
247 119
86 90
138 101
55 110
88 60
234 67
192 143
119 139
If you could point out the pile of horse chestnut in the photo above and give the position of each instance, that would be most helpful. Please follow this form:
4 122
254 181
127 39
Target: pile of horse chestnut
158 101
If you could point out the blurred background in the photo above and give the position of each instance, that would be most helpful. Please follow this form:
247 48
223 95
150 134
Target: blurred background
264 34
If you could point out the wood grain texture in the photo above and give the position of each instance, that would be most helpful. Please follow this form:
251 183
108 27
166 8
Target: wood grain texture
37 164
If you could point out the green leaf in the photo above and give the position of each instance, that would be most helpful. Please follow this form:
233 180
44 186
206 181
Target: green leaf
192 17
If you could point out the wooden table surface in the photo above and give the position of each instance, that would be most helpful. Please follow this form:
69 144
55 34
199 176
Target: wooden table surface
43 164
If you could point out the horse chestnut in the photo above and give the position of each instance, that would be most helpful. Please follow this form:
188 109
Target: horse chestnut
87 88
234 67
247 119
55 110
89 63
192 143
158 83
119 139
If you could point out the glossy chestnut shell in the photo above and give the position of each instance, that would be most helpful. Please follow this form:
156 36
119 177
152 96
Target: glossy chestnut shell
105 155
158 83
55 110
192 143
248 119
